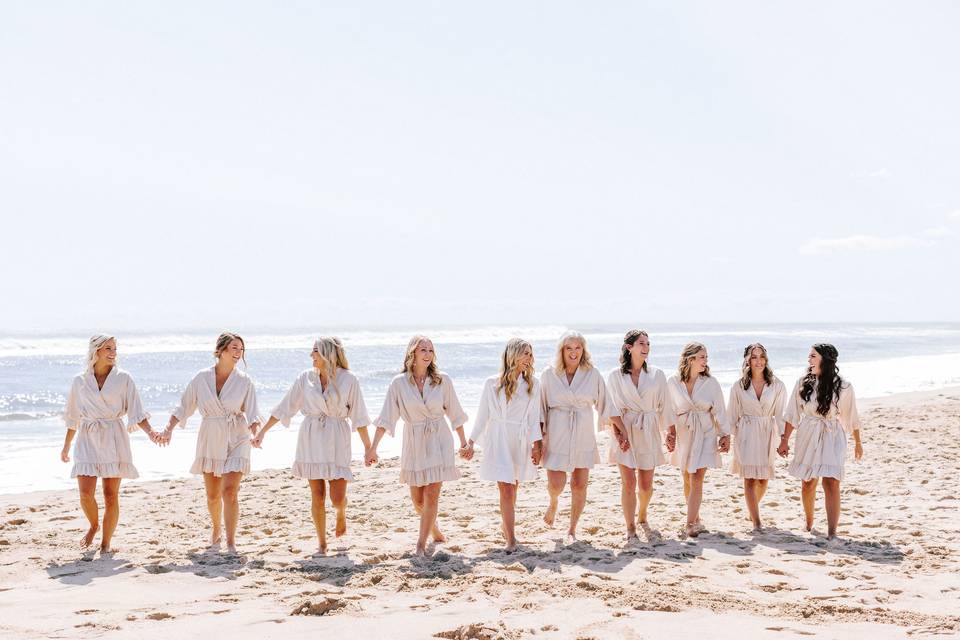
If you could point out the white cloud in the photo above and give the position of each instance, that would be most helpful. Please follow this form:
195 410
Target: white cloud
925 238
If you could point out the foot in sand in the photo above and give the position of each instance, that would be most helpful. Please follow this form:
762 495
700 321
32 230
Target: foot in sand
551 513
692 530
341 524
570 539
437 536
87 539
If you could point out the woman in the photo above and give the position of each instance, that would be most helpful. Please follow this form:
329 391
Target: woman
823 409
755 410
228 403
701 432
569 392
421 395
99 398
329 397
508 429
639 392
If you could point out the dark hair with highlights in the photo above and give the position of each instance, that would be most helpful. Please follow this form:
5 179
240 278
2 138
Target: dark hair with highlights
628 340
745 375
828 383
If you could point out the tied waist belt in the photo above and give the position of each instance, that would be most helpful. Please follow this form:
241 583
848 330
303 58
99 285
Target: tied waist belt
572 415
323 418
825 425
93 423
643 418
235 420
702 423
426 440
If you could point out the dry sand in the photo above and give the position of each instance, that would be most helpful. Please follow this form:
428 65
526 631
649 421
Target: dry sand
893 573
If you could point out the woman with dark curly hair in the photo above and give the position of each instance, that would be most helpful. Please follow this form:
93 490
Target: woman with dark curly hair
824 410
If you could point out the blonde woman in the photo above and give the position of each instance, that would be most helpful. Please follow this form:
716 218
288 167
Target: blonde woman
421 395
330 399
823 409
508 430
755 411
639 393
570 390
228 403
701 432
98 400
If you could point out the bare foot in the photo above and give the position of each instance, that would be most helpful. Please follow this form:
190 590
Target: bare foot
215 539
421 551
511 546
87 539
551 513
632 537
108 550
231 548
437 536
692 530
341 524
651 534
570 539
321 549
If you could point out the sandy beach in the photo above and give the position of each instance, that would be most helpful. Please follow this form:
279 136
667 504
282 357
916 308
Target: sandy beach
892 574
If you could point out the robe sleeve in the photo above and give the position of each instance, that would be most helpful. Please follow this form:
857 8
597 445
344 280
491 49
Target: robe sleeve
533 415
483 414
849 417
733 407
188 403
71 413
544 407
451 404
606 408
291 403
778 403
358 408
793 409
665 404
390 413
611 397
720 409
250 409
134 406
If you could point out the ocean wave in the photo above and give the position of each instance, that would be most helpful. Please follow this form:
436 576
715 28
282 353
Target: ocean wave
23 417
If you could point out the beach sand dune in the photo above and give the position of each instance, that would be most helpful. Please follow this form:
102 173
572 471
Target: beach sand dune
893 574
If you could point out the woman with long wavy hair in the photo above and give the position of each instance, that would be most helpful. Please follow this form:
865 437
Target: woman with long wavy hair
421 395
227 401
508 430
332 404
639 392
701 432
570 391
755 411
823 409
98 401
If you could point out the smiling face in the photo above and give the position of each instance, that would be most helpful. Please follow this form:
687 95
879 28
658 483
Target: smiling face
424 354
698 362
572 353
232 353
107 354
640 349
524 359
758 361
813 360
318 362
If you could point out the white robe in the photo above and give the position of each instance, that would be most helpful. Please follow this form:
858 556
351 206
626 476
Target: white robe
646 411
821 444
505 430
102 446
323 445
757 426
568 416
701 418
223 443
427 452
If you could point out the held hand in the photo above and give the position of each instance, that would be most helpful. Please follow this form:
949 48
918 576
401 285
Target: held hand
257 440
858 451
624 443
166 436
466 451
537 453
543 448
65 454
671 442
724 444
370 457
253 428
154 436
784 448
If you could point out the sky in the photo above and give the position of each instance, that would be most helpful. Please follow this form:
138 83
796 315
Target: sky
179 165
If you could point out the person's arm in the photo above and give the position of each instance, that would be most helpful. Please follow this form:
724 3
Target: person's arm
257 440
67 439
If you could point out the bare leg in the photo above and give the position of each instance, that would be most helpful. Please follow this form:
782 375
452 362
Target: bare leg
578 487
428 514
88 502
808 495
831 500
645 492
556 481
231 507
338 498
318 509
508 504
760 489
750 496
416 495
694 498
111 512
214 488
628 499
686 485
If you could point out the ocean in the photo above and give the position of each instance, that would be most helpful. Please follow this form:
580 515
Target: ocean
36 370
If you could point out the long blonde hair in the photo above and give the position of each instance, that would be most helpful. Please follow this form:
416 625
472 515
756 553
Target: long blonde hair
331 352
95 344
433 372
690 350
507 381
585 362
224 340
